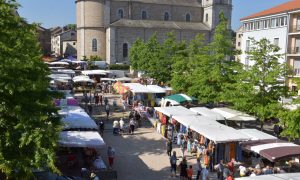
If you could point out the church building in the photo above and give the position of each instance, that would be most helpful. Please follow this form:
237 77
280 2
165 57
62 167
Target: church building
108 28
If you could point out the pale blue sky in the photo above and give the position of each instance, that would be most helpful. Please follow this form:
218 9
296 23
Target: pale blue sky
52 13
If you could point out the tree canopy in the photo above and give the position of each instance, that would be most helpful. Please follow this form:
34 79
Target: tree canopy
29 123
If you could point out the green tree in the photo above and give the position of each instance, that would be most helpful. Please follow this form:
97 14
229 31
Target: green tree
260 82
214 75
136 55
290 120
29 123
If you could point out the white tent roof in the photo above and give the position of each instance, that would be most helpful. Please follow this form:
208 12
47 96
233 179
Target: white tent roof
219 133
74 120
255 134
174 111
137 88
123 79
66 71
59 63
107 79
91 139
168 88
261 147
234 115
60 76
281 176
95 72
83 79
187 120
156 89
208 113
70 109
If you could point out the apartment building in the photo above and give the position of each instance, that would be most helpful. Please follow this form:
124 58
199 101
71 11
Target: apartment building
281 26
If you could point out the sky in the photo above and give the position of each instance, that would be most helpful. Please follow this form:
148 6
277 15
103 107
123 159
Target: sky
51 13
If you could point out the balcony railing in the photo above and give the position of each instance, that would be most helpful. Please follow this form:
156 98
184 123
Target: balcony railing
295 29
297 71
294 50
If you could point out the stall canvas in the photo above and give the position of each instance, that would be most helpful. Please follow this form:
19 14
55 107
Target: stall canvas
83 139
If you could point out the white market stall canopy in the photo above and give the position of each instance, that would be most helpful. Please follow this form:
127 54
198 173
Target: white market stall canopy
78 120
107 79
208 113
90 139
156 89
137 88
198 120
59 63
66 71
60 76
83 79
122 79
234 115
70 109
95 72
219 133
175 111
256 135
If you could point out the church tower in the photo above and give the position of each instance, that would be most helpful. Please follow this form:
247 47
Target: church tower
91 28
212 9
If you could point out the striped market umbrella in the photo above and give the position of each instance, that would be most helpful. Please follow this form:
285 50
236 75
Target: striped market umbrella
119 88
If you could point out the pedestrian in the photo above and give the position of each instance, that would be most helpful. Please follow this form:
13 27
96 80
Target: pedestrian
199 169
205 173
111 156
124 105
121 122
183 169
105 101
107 110
183 145
138 118
190 172
116 127
231 166
131 125
220 170
94 176
101 127
169 147
173 162
97 99
101 99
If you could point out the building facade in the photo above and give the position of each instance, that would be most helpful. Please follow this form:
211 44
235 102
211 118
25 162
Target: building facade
57 43
44 37
108 28
281 26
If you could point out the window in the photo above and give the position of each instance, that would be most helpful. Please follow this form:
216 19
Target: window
94 45
247 45
251 26
298 24
206 18
257 24
74 43
125 50
120 13
144 15
166 16
283 21
266 23
247 63
276 41
273 22
188 17
239 44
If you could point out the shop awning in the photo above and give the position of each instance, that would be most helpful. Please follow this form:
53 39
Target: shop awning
137 88
78 120
90 139
95 72
208 113
122 79
156 89
174 111
197 120
256 135
234 115
181 98
82 79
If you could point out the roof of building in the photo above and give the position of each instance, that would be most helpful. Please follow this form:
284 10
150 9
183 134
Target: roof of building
194 3
285 7
161 24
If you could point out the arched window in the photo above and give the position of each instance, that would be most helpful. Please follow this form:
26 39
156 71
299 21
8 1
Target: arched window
144 15
125 50
166 16
94 45
206 18
120 13
188 17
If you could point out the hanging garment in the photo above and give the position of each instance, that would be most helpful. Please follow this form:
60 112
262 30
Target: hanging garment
226 154
232 150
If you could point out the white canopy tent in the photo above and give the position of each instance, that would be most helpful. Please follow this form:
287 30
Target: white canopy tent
174 111
107 79
122 79
95 72
70 109
261 147
60 76
137 88
234 115
187 120
76 120
208 113
156 89
58 63
83 79
90 139
256 135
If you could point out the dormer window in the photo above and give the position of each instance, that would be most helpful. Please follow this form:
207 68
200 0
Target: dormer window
144 15
188 17
120 13
166 16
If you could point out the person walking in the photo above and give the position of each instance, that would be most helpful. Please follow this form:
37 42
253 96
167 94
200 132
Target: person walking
183 169
111 156
220 170
169 147
173 162
101 99
131 125
199 169
190 172
94 176
101 127
107 110
122 123
183 145
116 127
90 109
96 99
205 173
105 101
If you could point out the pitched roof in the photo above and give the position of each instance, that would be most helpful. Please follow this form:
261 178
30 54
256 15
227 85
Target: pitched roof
160 24
193 3
285 7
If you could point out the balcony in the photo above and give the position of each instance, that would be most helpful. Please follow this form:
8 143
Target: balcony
295 29
297 72
294 51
